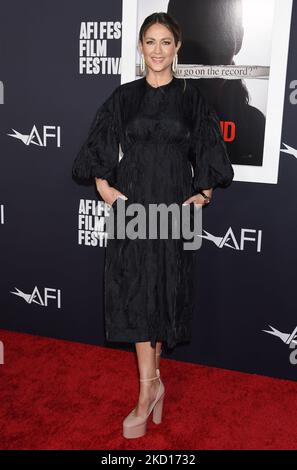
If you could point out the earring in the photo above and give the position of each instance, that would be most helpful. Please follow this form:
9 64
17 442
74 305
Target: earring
174 64
142 64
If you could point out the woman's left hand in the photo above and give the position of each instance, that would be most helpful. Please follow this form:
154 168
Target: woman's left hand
199 199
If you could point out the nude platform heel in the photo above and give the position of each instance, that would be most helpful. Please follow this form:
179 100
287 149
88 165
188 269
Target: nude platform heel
135 426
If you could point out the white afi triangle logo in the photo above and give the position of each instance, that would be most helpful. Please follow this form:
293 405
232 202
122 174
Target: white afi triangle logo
39 299
35 138
286 338
289 150
230 240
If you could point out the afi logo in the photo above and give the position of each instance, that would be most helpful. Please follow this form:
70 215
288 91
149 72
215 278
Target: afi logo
287 338
37 138
289 150
229 240
37 298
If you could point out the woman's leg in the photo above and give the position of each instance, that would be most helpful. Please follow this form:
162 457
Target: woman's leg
158 357
146 358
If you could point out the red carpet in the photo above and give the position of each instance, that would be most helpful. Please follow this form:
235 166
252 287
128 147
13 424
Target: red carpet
61 395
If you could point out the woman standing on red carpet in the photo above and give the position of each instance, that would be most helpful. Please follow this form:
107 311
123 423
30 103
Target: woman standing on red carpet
173 153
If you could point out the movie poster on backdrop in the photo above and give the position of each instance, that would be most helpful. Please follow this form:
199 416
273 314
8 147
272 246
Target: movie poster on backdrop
235 52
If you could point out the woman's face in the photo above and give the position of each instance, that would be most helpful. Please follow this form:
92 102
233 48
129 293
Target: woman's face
158 47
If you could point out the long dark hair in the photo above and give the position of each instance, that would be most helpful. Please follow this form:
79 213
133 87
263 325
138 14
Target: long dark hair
164 19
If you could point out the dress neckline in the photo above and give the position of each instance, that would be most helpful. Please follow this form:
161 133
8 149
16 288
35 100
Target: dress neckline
160 86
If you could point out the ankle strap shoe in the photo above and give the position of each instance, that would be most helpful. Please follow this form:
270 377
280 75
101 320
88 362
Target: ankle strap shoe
136 426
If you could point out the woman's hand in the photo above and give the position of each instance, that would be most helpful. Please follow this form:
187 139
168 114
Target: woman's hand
108 193
199 199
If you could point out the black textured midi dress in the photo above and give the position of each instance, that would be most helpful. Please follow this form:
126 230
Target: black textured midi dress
172 146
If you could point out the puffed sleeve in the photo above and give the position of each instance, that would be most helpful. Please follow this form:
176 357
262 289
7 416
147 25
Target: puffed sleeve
99 154
211 165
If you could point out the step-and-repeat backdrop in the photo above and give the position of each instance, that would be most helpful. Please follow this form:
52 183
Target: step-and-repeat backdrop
59 62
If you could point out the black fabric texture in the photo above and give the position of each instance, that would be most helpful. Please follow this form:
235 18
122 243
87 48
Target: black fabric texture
172 147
